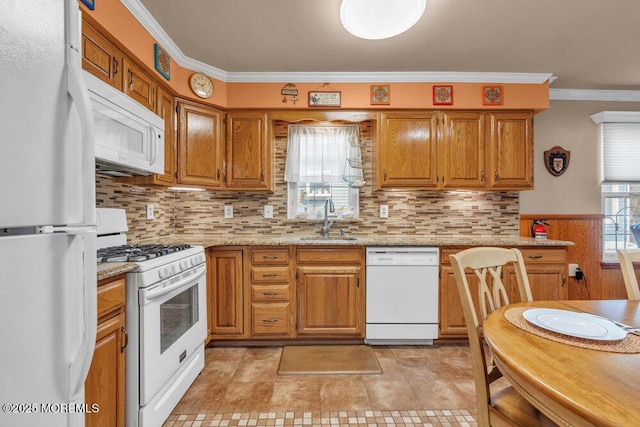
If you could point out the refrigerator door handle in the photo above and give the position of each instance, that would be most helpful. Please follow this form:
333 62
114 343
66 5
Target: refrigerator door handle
79 93
82 361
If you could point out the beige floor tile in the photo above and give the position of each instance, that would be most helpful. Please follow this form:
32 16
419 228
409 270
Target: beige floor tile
295 396
391 395
344 394
257 370
438 393
247 397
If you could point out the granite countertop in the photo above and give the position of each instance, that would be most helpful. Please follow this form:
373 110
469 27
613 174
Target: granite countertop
110 269
264 240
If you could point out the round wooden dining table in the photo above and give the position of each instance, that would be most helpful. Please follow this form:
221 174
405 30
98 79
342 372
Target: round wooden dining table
570 384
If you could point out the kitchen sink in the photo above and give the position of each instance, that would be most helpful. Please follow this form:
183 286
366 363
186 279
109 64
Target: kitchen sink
328 238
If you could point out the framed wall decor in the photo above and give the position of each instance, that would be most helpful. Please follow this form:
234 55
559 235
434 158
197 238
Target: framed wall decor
91 4
556 159
162 61
492 95
380 95
324 99
443 95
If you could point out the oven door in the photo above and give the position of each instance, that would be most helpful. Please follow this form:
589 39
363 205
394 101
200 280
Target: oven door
173 325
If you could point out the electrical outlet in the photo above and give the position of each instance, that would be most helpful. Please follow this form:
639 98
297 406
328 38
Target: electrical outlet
149 211
572 270
384 211
228 211
268 211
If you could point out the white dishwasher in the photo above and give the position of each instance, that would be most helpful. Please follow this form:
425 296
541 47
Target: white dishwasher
402 295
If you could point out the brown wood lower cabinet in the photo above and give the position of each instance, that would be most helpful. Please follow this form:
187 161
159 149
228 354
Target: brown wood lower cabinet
286 292
330 286
546 270
105 383
225 293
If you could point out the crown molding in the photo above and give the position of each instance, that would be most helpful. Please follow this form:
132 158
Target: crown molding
594 95
390 77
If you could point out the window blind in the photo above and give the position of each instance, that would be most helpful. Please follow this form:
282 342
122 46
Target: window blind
620 152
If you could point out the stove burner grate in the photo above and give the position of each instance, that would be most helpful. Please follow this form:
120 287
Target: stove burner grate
137 253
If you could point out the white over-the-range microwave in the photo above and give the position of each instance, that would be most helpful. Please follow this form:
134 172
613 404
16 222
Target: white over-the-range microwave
129 138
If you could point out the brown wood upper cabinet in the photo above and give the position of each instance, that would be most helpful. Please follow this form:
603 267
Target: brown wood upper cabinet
248 151
200 145
454 150
100 57
139 85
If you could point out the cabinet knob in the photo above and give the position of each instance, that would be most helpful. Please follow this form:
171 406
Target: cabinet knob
270 320
116 66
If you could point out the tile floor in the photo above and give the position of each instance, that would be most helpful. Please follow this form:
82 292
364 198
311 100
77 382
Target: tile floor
420 385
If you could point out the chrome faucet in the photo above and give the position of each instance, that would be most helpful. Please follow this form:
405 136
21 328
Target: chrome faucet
326 224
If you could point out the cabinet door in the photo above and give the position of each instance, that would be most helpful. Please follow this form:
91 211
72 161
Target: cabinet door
200 149
139 85
330 301
106 379
510 136
226 301
101 58
166 108
462 151
248 153
407 150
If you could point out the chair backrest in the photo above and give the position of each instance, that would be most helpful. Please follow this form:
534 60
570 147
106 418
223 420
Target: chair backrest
488 265
627 258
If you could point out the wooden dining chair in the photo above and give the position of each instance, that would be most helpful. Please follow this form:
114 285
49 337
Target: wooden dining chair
487 265
627 258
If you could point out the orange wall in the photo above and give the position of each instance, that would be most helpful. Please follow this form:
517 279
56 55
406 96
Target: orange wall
115 18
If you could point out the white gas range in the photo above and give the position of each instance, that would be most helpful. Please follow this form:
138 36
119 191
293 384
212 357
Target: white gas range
166 319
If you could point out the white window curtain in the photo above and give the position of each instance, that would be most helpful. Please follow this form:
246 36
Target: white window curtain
319 153
620 133
620 152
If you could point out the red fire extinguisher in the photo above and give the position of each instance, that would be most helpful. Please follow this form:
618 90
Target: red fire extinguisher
538 229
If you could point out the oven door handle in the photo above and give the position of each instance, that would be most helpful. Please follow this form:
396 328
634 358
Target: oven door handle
160 290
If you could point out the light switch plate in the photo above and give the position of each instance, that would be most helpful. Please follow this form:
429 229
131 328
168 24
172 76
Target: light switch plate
228 211
384 211
268 211
149 211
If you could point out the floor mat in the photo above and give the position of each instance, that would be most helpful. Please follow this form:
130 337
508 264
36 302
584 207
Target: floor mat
328 359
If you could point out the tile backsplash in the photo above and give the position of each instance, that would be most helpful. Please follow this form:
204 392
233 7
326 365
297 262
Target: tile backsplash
201 214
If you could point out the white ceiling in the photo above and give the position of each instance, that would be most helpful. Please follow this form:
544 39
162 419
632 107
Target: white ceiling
587 44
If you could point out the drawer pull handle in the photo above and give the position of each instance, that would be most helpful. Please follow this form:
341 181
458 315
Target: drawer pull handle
270 257
535 256
124 333
269 293
270 275
270 320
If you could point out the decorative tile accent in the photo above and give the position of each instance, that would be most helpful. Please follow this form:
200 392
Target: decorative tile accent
380 95
445 417
162 61
443 95
200 215
492 95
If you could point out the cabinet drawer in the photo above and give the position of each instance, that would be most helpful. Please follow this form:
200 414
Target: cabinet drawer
270 293
334 256
111 295
270 256
543 255
269 274
270 319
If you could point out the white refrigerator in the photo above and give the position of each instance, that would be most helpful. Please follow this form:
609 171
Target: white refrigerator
47 217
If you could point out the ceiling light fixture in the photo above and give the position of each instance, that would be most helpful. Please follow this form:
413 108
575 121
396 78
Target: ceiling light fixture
380 19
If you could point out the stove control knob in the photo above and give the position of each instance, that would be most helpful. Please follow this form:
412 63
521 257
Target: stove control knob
194 261
184 265
163 273
174 269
